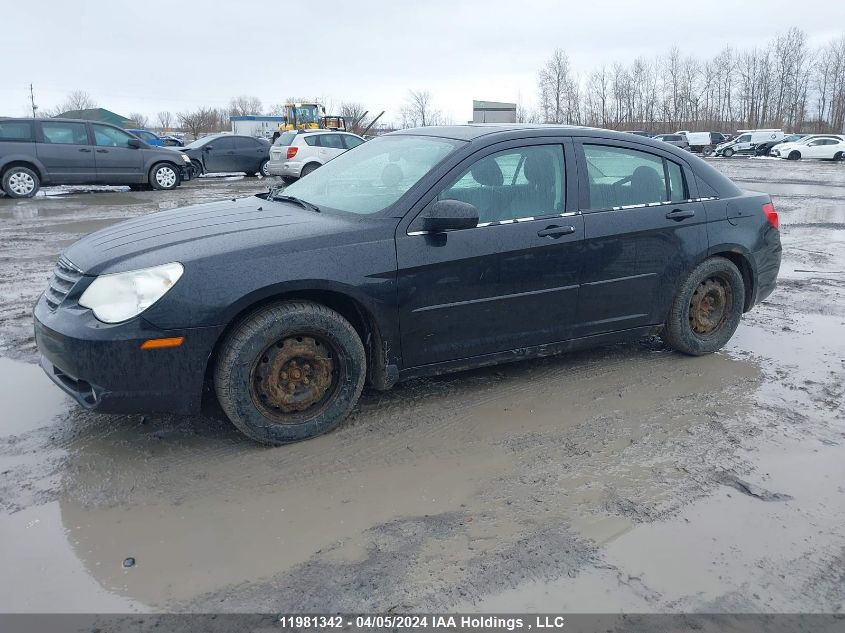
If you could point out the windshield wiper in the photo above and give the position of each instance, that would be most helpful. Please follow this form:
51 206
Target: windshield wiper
302 203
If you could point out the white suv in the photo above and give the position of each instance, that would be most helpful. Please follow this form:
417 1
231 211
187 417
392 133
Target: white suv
298 153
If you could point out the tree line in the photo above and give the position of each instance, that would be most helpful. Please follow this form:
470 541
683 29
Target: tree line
784 84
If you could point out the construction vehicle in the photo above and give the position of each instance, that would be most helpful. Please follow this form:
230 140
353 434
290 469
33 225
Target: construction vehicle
310 116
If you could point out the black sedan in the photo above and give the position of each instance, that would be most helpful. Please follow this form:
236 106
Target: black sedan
228 153
416 253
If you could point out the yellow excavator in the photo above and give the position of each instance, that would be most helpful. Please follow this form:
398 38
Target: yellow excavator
310 116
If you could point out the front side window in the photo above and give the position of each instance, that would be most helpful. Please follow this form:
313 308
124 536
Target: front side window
222 143
515 183
745 138
106 136
375 175
620 177
64 133
15 131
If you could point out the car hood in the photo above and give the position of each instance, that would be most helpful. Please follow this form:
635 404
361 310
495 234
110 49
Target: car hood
196 232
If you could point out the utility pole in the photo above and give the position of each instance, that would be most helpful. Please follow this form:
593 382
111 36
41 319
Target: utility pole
32 101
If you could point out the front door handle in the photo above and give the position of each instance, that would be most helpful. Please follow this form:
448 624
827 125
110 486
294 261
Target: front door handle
556 231
680 214
85 149
102 151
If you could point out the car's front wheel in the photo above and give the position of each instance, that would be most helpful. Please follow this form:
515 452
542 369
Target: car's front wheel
164 176
728 153
794 155
196 169
707 308
290 371
20 182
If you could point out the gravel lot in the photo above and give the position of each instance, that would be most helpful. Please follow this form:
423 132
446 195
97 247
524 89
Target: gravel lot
623 478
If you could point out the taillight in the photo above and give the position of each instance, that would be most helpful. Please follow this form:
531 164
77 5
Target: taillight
292 152
771 215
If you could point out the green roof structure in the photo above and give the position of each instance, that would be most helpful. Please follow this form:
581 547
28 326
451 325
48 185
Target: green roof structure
98 114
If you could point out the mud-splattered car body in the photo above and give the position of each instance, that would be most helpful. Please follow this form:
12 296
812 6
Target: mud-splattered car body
422 302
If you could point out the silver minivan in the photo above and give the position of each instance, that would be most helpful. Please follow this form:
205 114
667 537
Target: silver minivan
298 153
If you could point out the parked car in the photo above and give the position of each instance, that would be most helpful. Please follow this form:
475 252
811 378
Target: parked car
641 133
169 140
36 152
225 153
423 251
703 142
678 140
747 142
148 137
297 154
826 147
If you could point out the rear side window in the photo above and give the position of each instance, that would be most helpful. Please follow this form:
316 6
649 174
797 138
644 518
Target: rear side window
15 131
64 133
333 141
621 177
312 140
285 138
351 141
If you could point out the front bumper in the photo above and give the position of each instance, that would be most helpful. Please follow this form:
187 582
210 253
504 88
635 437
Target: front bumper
103 367
185 173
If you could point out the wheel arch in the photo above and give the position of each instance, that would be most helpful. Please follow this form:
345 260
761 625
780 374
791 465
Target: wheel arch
743 261
23 162
378 373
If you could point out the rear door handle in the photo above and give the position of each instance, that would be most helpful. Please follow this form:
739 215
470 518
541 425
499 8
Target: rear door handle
102 151
556 231
680 214
84 149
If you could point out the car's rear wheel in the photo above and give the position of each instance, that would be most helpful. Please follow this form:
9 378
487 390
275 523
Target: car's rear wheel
264 170
309 168
728 153
164 176
290 371
706 151
707 308
20 182
794 155
839 156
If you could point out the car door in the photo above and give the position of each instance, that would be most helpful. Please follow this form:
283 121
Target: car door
219 155
743 144
117 162
331 146
64 148
509 283
250 152
643 229
820 148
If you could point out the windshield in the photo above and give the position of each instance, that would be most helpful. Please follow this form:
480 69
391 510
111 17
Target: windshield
305 114
285 138
374 175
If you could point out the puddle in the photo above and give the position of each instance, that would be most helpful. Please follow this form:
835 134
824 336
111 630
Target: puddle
29 398
42 573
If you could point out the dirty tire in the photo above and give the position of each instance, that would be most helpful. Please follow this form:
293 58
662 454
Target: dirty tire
728 153
264 169
794 155
20 182
309 168
250 353
164 176
707 151
707 308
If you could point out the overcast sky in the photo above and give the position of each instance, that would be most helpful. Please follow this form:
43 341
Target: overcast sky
146 57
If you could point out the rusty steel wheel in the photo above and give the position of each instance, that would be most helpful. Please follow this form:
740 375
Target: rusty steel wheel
289 371
710 306
707 308
294 375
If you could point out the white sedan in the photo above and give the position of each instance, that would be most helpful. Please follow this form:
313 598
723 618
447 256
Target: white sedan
824 147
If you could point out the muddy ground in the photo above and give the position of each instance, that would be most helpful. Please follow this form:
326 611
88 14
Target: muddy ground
622 478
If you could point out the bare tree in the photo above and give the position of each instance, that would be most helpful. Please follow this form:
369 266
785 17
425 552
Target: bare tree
244 105
352 113
198 122
165 119
141 120
76 100
419 110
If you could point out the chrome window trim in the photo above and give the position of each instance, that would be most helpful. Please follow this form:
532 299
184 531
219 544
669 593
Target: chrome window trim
529 218
650 204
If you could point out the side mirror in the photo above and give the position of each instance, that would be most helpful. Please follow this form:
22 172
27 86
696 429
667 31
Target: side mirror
449 215
207 147
134 143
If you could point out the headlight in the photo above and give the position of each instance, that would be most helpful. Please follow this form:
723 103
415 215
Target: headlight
185 158
121 296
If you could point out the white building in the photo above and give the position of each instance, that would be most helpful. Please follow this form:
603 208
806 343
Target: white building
256 125
493 112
